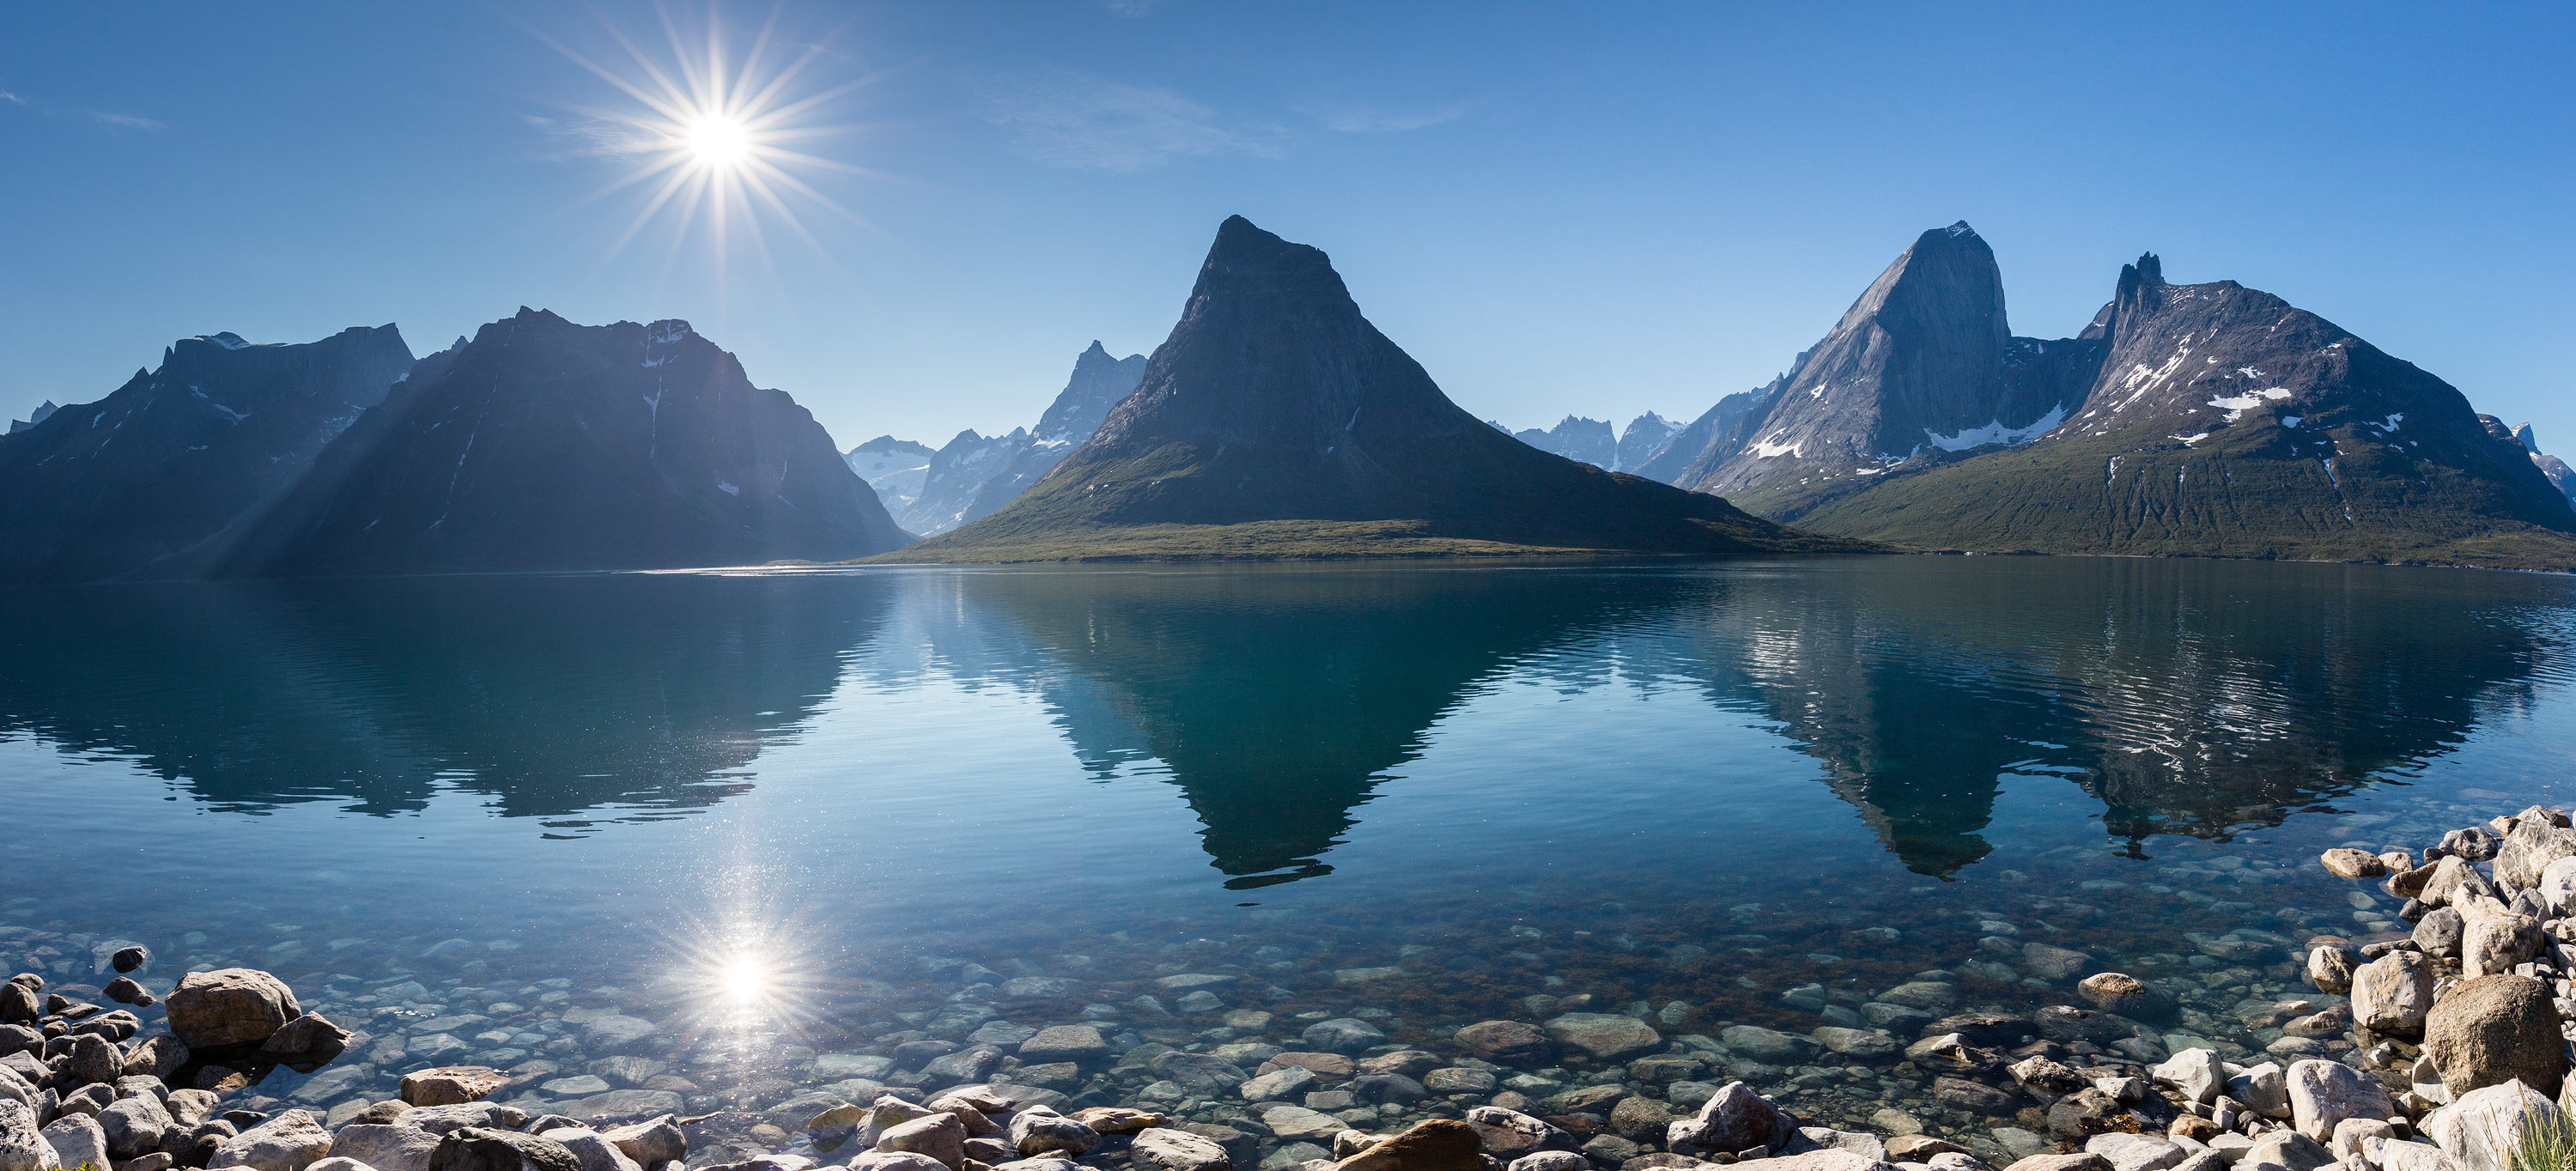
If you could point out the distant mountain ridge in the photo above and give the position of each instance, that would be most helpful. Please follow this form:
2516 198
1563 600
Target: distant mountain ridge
160 478
973 475
2185 420
1276 421
545 445
896 468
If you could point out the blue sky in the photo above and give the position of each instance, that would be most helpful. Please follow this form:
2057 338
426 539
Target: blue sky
1595 209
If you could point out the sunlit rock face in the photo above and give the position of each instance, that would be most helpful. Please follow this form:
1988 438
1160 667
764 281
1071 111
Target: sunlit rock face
1923 365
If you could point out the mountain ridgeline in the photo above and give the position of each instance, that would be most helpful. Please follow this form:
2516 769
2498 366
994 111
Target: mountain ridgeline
1275 421
2184 420
165 475
545 445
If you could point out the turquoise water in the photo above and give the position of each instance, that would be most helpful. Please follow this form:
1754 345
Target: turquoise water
782 815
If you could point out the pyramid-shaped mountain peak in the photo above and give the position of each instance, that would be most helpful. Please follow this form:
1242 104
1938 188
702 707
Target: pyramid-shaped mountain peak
1276 421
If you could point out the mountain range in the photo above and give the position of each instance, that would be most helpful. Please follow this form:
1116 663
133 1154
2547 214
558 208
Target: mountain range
161 478
545 445
1276 421
930 492
1592 441
2185 419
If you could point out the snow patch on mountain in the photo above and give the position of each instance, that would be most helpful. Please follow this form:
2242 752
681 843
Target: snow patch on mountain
1998 432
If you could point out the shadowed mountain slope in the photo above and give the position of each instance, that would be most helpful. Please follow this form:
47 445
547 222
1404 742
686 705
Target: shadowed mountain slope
545 445
158 479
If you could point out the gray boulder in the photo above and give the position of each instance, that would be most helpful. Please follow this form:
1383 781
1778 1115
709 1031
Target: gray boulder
1733 1120
1342 1035
22 1146
1040 1130
2323 1093
135 1126
2197 1074
593 1151
2393 993
939 1136
2493 938
2529 850
1164 1149
1510 1134
2483 1125
2493 1029
476 1148
651 1141
288 1142
394 1146
230 1006
78 1142
1607 1037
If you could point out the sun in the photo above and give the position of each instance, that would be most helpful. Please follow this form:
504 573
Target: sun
718 141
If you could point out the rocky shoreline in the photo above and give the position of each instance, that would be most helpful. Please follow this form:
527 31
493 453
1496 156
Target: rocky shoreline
2445 1032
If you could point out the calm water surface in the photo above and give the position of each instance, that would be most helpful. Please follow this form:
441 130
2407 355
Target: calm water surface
776 816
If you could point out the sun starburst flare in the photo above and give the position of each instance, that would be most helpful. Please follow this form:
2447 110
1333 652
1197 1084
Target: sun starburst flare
714 144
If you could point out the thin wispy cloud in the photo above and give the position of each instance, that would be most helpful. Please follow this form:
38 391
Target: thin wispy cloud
1369 120
12 99
127 121
1130 9
1093 123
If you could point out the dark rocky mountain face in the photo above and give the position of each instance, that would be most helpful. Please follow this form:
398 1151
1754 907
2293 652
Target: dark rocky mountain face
1576 438
1277 411
159 478
545 445
2224 421
1922 366
1647 435
974 474
2560 475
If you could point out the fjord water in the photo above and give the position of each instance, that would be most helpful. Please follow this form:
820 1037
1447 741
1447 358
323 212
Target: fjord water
776 814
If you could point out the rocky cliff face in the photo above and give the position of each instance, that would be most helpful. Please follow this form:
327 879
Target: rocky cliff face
973 475
1922 367
2225 421
159 478
1276 412
2560 475
545 445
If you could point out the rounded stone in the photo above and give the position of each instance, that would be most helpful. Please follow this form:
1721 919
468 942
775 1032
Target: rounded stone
1509 1042
2494 1029
230 1006
1606 1036
2126 995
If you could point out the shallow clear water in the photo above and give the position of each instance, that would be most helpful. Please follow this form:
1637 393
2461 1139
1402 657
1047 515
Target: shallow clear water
777 815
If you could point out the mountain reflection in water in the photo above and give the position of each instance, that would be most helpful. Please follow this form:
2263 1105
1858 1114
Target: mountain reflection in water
2197 698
